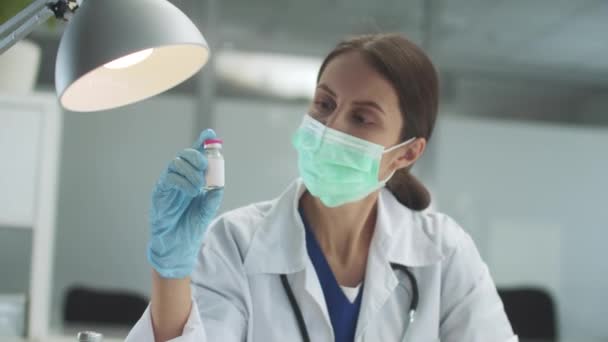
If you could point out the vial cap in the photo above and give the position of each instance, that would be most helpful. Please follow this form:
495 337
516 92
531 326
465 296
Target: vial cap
209 142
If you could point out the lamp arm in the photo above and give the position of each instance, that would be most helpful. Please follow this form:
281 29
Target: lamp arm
39 11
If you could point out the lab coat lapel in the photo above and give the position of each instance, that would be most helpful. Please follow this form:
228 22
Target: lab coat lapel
315 292
380 281
310 298
397 239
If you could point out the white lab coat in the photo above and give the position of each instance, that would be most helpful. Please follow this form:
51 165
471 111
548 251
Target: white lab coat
238 295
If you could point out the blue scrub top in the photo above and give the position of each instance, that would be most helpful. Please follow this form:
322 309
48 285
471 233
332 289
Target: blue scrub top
342 313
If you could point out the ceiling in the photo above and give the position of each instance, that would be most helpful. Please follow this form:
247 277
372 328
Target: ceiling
550 39
550 55
528 35
557 33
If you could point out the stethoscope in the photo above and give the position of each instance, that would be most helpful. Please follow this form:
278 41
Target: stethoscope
298 313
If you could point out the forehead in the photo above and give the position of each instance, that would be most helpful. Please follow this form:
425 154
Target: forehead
351 76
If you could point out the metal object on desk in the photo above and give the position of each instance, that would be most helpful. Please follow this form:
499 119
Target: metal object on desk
89 336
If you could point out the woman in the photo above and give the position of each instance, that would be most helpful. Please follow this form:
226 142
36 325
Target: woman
344 254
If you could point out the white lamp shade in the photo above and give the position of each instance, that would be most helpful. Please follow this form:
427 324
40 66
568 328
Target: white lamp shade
117 52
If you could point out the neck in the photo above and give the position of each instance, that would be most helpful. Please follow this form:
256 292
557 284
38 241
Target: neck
344 233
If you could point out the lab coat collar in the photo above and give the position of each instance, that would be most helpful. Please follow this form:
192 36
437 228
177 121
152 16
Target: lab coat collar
279 245
401 233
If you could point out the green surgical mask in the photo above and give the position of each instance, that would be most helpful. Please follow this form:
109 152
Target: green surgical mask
336 167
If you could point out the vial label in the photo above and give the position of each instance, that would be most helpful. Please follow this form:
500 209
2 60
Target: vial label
215 173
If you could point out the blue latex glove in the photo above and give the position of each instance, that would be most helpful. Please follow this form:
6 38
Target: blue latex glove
181 212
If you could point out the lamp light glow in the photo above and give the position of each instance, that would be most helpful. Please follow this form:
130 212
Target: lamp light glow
129 60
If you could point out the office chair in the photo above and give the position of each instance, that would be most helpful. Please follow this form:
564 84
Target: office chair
531 312
88 305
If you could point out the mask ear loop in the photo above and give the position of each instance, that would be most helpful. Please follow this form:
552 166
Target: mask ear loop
399 145
407 142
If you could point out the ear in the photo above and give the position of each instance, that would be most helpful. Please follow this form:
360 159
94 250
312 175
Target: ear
409 154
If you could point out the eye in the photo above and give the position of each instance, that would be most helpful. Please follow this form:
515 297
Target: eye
362 119
324 105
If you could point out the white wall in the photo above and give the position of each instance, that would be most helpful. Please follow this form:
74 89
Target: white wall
110 162
534 199
15 259
260 160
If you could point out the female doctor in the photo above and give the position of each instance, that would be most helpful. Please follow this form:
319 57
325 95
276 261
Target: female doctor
346 253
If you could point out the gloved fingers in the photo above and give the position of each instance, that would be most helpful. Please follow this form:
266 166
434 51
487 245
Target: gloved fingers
205 208
181 183
195 158
185 169
212 200
206 134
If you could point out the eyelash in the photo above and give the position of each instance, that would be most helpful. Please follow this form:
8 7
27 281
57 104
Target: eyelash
320 103
361 119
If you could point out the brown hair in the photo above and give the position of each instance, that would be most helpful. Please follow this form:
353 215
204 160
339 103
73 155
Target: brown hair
415 80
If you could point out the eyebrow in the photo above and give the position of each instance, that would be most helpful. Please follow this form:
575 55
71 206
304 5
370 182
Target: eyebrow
327 89
359 103
370 104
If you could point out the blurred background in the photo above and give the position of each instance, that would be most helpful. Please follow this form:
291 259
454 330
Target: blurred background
519 156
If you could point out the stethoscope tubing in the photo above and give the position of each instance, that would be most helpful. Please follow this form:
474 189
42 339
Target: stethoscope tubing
300 318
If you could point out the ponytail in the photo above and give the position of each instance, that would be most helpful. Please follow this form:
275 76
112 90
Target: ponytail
409 191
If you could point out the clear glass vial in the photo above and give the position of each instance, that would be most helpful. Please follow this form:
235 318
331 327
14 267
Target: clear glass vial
214 178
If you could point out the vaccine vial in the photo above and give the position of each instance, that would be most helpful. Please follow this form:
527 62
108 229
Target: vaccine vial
214 178
89 336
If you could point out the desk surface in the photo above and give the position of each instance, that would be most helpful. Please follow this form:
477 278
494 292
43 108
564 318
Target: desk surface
54 339
69 333
59 338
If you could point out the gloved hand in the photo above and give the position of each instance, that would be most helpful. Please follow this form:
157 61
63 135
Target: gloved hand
181 212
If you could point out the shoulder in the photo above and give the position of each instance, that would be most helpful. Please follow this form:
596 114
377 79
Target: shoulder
236 228
426 227
443 230
462 265
419 238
